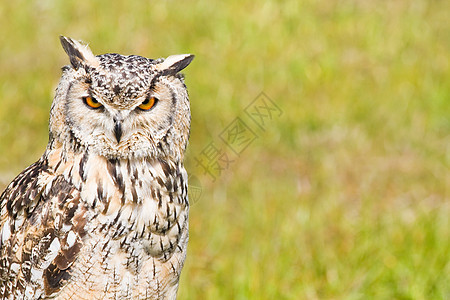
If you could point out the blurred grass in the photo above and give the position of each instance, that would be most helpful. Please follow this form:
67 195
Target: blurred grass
344 196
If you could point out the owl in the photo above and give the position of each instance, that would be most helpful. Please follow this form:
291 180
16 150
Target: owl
103 214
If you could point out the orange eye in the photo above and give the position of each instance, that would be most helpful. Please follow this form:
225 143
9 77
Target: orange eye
148 103
91 102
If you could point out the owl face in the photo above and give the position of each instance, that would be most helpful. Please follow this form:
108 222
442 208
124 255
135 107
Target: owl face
122 106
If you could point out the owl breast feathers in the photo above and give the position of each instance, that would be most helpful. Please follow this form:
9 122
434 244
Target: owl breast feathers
103 214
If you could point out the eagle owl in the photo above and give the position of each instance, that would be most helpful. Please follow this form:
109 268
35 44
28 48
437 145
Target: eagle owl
103 214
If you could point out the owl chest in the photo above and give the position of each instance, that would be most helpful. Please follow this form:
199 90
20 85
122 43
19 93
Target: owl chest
152 229
133 210
136 221
126 251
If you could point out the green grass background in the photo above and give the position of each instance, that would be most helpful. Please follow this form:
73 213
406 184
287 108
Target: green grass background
343 196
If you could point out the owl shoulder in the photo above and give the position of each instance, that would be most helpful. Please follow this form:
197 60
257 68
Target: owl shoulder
41 216
22 195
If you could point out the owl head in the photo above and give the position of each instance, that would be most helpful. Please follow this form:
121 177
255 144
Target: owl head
121 106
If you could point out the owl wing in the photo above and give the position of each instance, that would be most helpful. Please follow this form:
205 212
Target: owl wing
41 226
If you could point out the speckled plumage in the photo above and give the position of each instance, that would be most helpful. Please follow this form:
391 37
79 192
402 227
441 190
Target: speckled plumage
103 214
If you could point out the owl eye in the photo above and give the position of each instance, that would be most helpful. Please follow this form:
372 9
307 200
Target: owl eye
148 103
91 102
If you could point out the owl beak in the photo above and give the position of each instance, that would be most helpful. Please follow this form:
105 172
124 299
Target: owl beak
118 130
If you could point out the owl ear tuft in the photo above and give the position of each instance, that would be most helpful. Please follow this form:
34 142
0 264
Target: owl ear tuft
175 63
80 55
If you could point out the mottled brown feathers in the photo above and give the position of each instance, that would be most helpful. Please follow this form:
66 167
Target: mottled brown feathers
39 228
